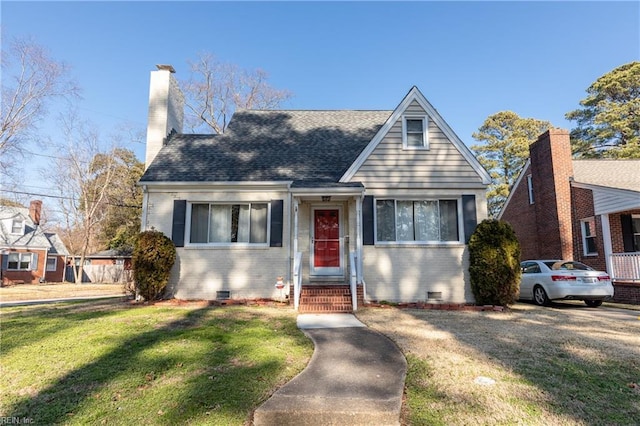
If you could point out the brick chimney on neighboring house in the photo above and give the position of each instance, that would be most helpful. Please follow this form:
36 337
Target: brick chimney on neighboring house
35 210
166 110
551 171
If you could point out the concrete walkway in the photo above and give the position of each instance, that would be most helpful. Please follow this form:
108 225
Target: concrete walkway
355 377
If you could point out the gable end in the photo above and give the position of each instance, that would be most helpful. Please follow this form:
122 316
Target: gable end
415 95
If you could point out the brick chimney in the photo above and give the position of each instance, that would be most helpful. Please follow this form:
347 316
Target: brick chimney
35 209
166 110
551 171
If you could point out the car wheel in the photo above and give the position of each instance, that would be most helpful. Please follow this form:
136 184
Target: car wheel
593 303
540 296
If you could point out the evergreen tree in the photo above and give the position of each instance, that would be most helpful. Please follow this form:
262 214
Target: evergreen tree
608 123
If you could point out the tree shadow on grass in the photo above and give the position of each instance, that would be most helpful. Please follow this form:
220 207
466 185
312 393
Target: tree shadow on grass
30 324
179 370
584 364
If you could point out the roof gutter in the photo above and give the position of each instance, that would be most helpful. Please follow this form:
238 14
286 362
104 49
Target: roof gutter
233 184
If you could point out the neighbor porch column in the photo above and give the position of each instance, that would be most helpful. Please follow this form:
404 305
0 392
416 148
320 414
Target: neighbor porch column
606 240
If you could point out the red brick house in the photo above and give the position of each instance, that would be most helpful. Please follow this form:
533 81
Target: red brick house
585 210
28 253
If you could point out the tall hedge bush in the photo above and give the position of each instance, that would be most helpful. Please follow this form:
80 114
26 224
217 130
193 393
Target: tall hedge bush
153 257
494 269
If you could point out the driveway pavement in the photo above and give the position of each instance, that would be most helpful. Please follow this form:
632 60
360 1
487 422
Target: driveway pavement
581 310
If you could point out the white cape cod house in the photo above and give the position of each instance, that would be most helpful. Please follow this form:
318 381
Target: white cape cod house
382 202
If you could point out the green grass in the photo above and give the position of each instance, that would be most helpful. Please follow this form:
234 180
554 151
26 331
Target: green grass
109 363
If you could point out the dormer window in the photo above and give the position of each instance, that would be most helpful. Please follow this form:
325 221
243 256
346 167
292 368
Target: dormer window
414 133
17 227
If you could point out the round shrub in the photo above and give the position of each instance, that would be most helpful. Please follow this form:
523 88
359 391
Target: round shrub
494 263
153 257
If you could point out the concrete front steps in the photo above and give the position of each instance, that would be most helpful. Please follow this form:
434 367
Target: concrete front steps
327 298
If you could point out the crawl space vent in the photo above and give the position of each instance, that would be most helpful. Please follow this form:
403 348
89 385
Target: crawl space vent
434 295
223 295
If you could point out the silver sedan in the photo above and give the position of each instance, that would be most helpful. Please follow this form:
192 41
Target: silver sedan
547 280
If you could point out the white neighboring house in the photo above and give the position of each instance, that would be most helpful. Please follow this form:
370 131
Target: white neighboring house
29 254
383 200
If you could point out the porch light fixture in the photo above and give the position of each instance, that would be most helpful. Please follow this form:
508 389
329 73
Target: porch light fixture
326 198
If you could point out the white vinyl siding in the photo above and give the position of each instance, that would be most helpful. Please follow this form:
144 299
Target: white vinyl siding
440 166
611 200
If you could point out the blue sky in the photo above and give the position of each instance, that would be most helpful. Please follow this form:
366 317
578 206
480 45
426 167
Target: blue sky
470 59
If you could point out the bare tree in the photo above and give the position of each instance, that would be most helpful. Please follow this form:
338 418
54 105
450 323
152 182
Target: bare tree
215 90
83 175
31 81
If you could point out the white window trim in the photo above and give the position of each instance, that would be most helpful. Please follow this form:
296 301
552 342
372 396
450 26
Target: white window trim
22 224
583 228
425 132
187 227
30 268
55 264
530 188
418 243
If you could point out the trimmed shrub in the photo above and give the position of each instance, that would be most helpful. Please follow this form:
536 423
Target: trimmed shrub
494 269
153 257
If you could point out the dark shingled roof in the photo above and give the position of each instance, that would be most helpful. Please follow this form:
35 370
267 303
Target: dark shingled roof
305 146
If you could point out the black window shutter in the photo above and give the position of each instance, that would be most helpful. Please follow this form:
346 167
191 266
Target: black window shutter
276 223
627 232
367 221
179 219
469 216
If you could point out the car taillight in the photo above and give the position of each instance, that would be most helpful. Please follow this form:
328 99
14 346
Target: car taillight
563 278
604 278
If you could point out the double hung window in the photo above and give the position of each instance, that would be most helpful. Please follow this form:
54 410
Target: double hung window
229 223
417 220
17 227
414 133
20 261
589 236
52 263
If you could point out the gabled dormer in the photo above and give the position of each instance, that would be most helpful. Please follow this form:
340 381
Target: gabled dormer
417 148
17 225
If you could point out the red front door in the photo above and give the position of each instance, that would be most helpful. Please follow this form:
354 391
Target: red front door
326 240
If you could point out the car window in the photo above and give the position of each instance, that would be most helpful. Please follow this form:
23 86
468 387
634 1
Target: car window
571 266
530 268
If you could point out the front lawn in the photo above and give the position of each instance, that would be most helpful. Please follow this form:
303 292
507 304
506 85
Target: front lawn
112 363
564 365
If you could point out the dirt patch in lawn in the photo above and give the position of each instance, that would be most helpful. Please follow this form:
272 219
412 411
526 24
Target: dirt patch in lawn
23 292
